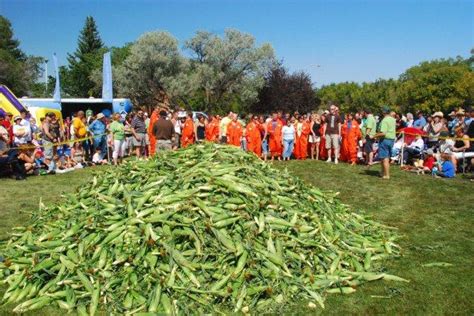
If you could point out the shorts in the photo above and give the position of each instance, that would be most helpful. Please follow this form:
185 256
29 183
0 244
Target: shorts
332 141
162 144
313 139
177 140
369 145
141 141
48 149
385 148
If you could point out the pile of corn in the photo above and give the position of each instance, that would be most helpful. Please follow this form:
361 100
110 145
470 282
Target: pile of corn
204 229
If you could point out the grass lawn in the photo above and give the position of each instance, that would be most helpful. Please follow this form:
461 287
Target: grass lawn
435 218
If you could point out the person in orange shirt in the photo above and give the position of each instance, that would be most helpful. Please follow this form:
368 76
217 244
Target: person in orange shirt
351 134
234 132
187 134
273 129
212 129
155 115
254 136
302 133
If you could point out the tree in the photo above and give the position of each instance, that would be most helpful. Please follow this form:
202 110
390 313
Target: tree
7 42
228 69
438 85
341 94
154 72
17 70
286 92
87 57
118 56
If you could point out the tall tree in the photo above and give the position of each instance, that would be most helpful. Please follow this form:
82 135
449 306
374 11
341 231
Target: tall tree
118 56
228 67
86 58
17 70
8 42
285 92
154 73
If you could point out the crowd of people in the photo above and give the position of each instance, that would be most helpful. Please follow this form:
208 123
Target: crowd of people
433 143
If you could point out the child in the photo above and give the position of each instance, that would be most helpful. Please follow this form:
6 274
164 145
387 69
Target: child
446 166
96 158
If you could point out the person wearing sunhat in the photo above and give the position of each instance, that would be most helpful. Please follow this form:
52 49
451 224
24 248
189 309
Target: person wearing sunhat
458 121
386 136
435 127
98 131
20 132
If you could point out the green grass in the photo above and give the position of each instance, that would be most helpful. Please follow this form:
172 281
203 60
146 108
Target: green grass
435 218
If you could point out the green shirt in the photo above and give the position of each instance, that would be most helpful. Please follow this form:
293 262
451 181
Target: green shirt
370 123
388 127
117 130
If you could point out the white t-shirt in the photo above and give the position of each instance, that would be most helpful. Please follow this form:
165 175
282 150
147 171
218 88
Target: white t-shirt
288 132
20 129
96 158
27 126
417 143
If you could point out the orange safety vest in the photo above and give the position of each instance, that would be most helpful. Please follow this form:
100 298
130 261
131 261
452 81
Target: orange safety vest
275 137
254 138
350 138
234 133
187 135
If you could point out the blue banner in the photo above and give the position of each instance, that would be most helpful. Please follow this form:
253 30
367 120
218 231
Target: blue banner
57 88
107 89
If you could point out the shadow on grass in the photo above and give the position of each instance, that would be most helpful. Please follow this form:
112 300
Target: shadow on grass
371 172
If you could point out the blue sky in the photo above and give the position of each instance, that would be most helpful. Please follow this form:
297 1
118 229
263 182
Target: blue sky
351 40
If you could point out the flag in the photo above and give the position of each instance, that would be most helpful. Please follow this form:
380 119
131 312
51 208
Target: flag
107 90
57 88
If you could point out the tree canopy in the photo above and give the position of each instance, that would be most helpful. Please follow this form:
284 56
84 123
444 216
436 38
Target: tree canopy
438 85
17 70
228 68
285 91
77 77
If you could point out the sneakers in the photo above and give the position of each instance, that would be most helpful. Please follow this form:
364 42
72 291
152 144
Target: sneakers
329 159
336 162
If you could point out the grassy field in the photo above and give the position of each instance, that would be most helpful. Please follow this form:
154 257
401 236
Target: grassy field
435 218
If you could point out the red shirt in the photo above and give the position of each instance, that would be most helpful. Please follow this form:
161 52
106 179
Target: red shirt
429 162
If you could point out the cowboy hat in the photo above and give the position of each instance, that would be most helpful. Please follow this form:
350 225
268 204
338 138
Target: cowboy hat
460 112
100 116
438 114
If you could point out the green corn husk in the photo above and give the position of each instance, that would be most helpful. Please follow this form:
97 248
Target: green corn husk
204 229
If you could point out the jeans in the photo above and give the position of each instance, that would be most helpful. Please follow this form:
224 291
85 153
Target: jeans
409 153
11 160
162 145
288 145
265 147
243 144
101 143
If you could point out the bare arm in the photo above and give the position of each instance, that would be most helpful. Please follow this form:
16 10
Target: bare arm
466 146
46 132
